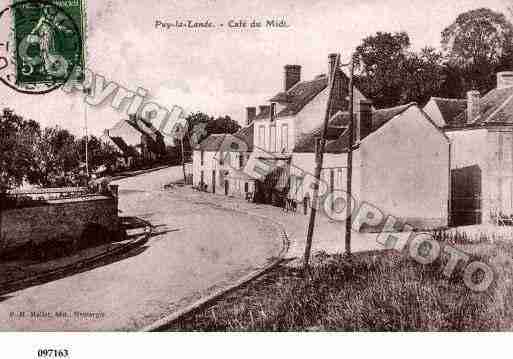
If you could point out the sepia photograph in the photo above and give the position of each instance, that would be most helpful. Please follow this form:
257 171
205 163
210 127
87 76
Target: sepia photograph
260 166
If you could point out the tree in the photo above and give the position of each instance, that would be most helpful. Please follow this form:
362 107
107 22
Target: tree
56 158
193 135
99 153
423 76
17 139
479 43
196 127
379 60
222 125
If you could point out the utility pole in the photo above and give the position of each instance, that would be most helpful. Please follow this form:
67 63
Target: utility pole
183 161
349 219
87 92
319 159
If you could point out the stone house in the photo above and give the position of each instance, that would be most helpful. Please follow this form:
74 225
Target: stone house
127 155
482 156
295 111
218 162
400 164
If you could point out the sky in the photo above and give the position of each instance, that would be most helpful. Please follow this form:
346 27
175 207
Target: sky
223 70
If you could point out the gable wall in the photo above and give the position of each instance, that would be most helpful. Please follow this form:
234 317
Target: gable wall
312 115
432 110
405 170
130 135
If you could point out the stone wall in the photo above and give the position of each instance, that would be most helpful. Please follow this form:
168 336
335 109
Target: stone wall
58 220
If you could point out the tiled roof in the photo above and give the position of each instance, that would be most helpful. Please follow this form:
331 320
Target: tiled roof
450 108
380 117
125 149
299 95
496 107
211 143
340 143
145 127
306 142
303 93
214 142
246 135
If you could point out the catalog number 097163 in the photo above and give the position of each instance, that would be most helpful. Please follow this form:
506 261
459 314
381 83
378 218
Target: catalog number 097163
52 353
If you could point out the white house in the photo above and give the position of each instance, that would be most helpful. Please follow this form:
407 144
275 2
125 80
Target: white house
219 160
293 113
482 156
400 165
401 158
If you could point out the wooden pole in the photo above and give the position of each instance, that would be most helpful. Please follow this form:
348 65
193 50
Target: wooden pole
319 159
350 160
87 140
183 162
87 92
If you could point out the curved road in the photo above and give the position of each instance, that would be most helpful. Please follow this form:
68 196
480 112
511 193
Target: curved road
196 248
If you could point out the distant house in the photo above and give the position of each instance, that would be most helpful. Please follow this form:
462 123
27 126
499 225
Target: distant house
216 161
482 156
126 154
136 140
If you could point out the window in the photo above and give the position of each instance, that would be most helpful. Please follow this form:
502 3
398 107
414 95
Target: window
246 187
241 160
202 157
285 137
221 158
272 139
507 148
501 146
261 136
273 111
279 146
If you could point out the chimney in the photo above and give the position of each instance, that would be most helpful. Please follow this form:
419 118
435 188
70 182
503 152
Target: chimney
332 58
504 79
106 132
473 108
292 76
363 120
250 114
273 111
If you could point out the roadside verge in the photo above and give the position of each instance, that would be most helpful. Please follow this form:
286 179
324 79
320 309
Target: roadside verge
82 264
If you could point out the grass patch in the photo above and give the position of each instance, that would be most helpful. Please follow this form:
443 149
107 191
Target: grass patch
371 292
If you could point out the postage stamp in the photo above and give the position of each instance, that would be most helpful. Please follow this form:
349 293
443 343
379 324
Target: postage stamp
47 44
